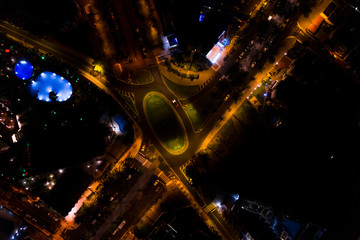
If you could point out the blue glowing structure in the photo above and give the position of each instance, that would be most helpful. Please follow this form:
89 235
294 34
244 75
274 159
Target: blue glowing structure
24 70
121 123
201 17
49 86
225 41
173 42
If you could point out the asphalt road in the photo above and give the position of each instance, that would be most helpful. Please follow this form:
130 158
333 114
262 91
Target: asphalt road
114 87
36 216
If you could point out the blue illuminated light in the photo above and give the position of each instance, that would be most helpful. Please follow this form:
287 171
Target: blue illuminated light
225 41
24 70
201 18
173 42
121 123
47 83
236 196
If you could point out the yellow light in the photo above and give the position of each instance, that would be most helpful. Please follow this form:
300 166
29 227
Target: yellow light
99 69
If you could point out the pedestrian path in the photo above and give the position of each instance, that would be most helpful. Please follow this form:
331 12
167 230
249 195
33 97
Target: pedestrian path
204 76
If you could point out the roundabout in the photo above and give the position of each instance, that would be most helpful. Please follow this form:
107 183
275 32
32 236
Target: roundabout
165 123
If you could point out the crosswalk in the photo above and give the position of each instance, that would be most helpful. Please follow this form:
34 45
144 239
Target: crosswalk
210 208
141 159
163 177
128 94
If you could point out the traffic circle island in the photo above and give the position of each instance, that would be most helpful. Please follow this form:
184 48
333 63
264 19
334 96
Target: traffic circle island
165 123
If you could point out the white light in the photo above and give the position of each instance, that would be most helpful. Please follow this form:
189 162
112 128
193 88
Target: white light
54 74
236 197
23 62
216 57
61 170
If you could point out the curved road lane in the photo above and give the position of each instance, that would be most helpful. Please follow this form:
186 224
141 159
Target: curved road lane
114 87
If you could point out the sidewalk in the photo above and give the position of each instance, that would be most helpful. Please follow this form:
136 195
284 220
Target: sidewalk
203 75
305 22
125 203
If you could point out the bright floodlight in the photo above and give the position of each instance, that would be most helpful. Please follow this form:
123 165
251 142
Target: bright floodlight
23 70
48 85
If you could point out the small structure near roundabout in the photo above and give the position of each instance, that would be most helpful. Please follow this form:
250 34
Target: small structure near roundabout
165 123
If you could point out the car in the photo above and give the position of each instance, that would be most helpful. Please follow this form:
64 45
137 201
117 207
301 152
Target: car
175 102
226 97
231 50
253 64
226 58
